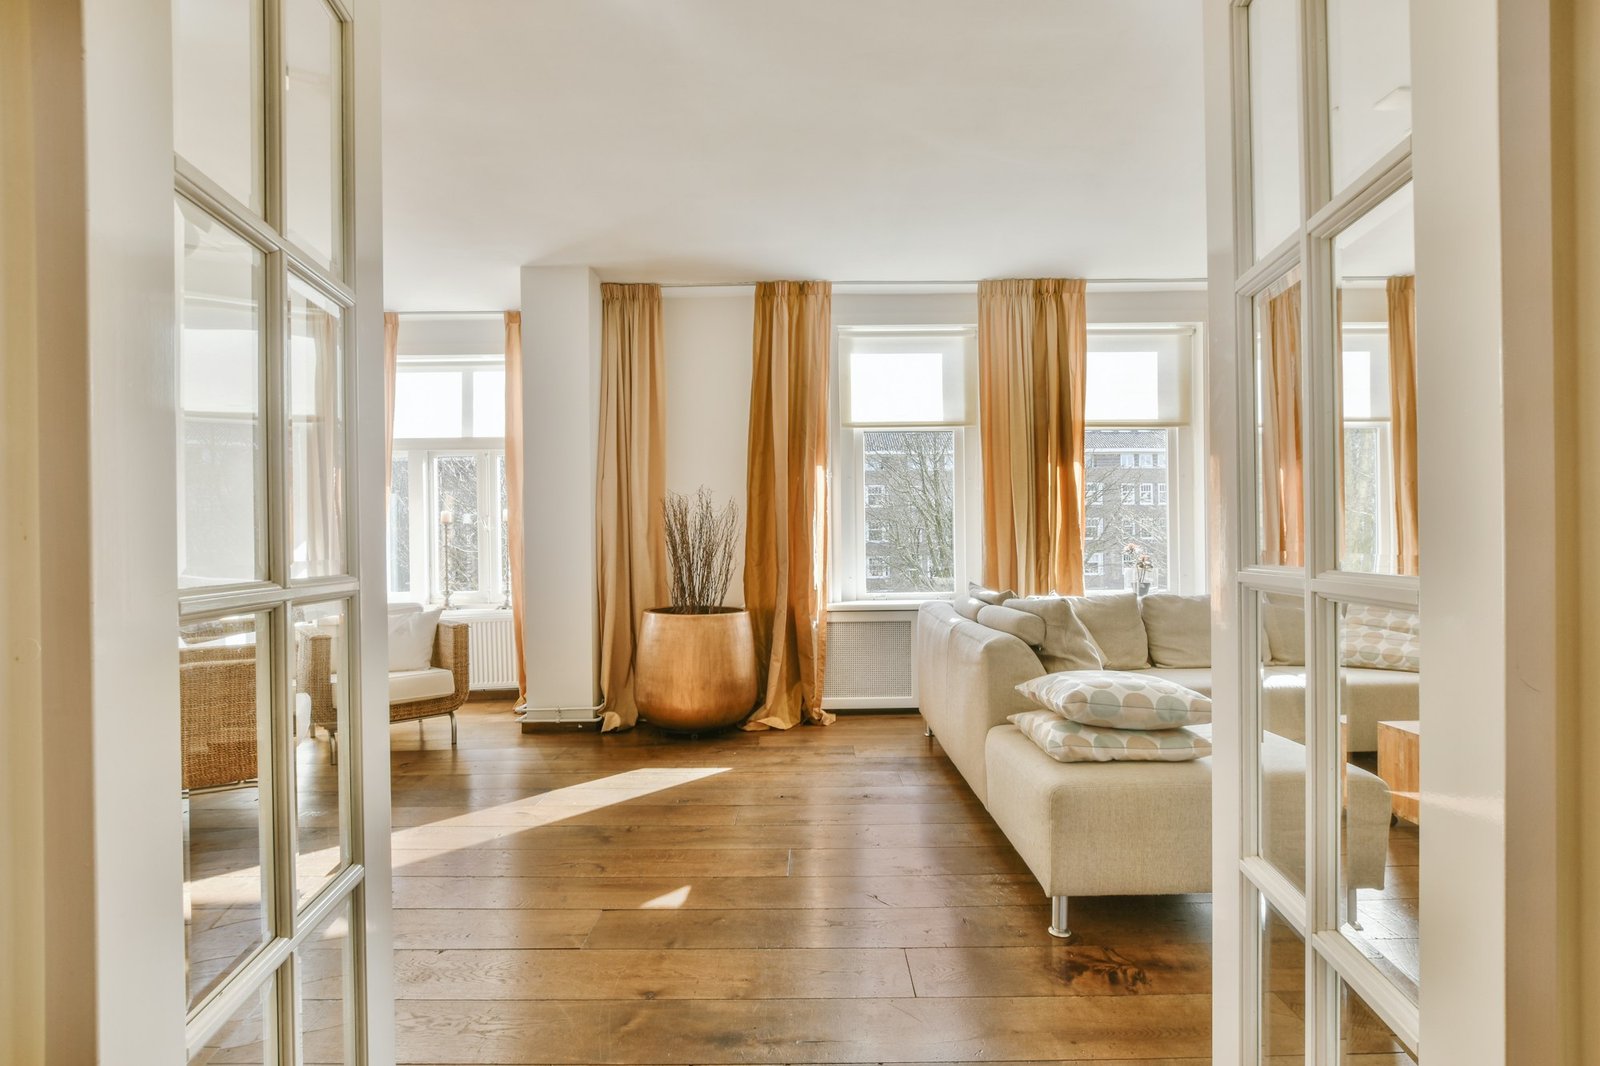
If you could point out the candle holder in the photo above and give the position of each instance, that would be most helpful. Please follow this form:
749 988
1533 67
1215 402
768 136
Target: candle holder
448 520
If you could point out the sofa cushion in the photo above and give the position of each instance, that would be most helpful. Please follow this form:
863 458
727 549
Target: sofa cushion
1178 629
1283 618
968 607
1028 628
1068 741
1380 639
993 597
408 686
1113 621
1194 678
411 640
1067 644
1118 700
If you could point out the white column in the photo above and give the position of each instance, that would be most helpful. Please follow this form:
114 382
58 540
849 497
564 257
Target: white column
560 431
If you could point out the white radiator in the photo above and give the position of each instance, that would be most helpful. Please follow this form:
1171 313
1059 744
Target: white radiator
492 650
871 661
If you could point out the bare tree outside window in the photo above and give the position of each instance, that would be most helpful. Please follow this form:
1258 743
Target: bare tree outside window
909 477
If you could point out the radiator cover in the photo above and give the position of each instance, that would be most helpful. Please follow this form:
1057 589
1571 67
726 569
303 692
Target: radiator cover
871 662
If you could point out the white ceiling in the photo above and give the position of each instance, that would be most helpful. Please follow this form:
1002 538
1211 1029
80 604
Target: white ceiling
730 140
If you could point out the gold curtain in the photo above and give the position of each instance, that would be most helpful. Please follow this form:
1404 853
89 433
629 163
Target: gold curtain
1403 417
1032 351
631 483
319 436
391 350
786 537
514 511
1282 462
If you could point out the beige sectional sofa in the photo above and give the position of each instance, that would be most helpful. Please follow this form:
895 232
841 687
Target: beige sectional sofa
1121 828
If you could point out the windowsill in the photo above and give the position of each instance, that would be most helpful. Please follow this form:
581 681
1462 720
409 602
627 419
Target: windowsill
883 605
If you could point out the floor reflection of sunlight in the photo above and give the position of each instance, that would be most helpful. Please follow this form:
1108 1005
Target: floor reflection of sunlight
667 901
560 804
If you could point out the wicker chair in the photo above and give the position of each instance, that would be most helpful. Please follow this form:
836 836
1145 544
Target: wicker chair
314 675
218 696
450 652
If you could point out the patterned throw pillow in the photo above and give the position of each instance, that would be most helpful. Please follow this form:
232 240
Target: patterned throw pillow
1066 741
1378 638
1117 700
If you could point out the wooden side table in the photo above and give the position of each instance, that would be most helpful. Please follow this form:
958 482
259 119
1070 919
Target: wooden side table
1399 764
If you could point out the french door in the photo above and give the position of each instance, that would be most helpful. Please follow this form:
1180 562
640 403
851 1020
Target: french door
279 902
1321 886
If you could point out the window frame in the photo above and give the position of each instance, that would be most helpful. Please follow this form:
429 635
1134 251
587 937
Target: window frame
424 537
848 572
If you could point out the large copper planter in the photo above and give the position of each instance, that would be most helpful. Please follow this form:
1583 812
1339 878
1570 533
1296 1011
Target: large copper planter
694 673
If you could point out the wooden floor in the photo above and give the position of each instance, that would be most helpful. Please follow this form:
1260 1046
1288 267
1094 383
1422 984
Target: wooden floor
829 895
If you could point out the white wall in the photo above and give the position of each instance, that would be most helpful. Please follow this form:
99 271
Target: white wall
707 338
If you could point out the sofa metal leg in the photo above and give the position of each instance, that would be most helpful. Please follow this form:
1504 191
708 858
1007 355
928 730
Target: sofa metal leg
333 748
1351 914
1058 918
927 730
452 729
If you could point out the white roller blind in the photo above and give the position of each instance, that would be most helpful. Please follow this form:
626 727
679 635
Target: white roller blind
907 378
1138 378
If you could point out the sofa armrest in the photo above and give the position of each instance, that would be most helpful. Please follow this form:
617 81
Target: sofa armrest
450 652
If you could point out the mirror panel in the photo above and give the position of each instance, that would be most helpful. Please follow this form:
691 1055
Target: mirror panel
1283 990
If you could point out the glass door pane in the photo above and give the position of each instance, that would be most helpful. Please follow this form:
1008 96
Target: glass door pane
1369 82
315 370
1274 121
321 714
323 964
1281 739
1377 395
1283 991
221 454
1280 460
313 129
1380 662
246 1039
1364 1039
225 700
217 93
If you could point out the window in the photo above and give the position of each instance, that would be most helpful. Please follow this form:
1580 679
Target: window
1095 565
448 537
905 405
1135 443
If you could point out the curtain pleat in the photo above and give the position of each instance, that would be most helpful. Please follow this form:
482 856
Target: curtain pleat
631 483
391 357
1282 461
514 508
324 449
786 539
1403 418
1032 354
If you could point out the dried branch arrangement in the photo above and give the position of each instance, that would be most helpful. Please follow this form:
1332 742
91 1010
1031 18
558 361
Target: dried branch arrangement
700 546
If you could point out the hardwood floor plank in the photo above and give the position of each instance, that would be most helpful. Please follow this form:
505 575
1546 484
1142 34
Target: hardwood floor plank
644 835
904 927
1061 970
592 862
818 1031
443 929
665 892
847 973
